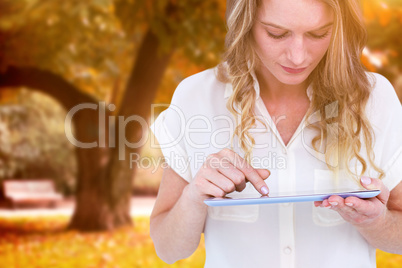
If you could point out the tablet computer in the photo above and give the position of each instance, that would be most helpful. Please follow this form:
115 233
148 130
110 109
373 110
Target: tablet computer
300 196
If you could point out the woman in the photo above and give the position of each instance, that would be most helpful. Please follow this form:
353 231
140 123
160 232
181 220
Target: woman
290 108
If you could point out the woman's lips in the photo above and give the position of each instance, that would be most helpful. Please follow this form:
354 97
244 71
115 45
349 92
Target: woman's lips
293 71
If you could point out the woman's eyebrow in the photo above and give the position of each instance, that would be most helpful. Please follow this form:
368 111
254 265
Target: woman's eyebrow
283 28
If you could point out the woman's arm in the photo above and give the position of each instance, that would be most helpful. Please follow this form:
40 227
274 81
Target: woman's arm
378 219
176 221
178 218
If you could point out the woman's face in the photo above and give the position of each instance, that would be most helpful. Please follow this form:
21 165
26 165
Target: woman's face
291 37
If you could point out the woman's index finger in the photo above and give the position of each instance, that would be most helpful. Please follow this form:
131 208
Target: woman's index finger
249 172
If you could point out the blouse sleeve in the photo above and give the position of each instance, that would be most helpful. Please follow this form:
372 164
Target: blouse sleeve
169 129
387 124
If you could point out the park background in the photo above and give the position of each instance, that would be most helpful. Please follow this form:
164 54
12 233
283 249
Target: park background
57 54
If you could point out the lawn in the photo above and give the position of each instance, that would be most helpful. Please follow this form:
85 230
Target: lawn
41 242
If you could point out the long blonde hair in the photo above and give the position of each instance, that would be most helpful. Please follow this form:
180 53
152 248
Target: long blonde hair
339 78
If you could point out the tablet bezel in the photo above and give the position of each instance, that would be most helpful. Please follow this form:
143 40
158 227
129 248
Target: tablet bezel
274 198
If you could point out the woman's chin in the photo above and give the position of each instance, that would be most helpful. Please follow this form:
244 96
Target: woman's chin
292 79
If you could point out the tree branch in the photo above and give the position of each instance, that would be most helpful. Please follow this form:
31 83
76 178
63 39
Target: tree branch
47 82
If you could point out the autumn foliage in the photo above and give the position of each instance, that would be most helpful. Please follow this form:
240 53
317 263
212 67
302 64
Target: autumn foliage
93 46
41 243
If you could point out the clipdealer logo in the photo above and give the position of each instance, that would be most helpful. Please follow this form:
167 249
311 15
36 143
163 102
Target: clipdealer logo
189 129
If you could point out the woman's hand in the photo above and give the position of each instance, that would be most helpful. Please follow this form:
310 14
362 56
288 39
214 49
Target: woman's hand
223 173
360 212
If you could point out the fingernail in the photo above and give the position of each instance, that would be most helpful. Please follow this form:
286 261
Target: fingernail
349 204
264 190
334 203
365 180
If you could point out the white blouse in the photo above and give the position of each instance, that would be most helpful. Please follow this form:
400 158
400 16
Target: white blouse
197 124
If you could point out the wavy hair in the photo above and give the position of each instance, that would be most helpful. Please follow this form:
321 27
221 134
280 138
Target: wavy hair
339 78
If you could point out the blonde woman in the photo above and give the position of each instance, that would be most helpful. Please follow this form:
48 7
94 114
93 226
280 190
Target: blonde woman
290 108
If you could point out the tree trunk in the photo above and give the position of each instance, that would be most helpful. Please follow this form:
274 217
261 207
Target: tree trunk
96 210
104 181
92 170
117 174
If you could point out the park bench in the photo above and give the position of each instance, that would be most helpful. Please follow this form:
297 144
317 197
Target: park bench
18 193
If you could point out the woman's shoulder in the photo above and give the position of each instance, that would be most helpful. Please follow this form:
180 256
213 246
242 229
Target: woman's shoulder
380 84
382 89
383 102
200 87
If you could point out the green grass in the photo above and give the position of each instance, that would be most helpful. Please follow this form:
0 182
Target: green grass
41 243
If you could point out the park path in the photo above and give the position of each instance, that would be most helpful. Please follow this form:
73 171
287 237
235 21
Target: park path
140 206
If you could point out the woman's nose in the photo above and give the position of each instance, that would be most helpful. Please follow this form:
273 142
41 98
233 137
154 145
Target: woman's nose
297 52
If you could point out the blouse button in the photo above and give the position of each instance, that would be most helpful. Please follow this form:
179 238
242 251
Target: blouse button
287 250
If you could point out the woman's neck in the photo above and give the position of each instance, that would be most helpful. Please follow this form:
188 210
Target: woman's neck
275 91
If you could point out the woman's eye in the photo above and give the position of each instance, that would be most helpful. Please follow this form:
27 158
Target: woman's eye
274 36
320 36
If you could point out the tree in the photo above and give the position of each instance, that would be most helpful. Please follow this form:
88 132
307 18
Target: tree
33 142
384 21
58 64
